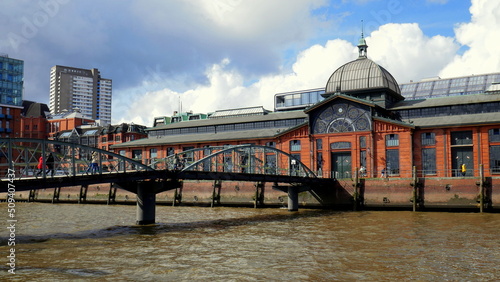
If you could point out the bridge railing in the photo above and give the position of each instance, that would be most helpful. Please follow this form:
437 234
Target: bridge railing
47 158
234 159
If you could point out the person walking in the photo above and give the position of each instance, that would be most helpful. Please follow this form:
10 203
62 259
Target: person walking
50 164
463 169
94 163
40 166
362 171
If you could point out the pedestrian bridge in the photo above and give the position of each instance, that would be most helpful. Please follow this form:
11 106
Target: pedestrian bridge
74 165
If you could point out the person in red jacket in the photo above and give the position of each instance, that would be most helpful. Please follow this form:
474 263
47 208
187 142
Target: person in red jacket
40 166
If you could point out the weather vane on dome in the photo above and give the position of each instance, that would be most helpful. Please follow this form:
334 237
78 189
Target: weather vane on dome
362 28
362 43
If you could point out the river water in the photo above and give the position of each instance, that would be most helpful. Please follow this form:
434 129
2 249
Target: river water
98 242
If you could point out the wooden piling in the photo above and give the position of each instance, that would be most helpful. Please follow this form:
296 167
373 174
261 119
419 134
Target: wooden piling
414 183
481 189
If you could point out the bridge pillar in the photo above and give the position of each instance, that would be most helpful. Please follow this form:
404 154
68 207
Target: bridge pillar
32 196
57 193
82 197
177 196
259 194
146 205
293 198
112 194
216 192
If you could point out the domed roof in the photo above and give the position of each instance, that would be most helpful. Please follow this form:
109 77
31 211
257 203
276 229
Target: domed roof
360 75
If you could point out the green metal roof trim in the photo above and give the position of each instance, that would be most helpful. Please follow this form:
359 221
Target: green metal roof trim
458 120
232 120
203 137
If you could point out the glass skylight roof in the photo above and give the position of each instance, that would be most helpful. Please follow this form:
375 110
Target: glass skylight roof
433 88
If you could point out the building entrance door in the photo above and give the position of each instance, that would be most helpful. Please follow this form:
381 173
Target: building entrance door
341 164
462 155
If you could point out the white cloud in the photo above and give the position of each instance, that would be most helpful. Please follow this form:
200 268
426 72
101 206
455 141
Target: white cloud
397 47
481 38
407 53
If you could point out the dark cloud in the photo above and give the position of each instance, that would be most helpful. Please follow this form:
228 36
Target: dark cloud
127 39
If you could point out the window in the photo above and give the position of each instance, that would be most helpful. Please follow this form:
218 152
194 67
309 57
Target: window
294 164
319 144
495 159
136 154
271 144
189 157
392 161
170 151
392 140
461 138
118 138
362 142
103 139
295 145
340 145
362 158
494 134
428 138
319 161
429 161
270 164
153 153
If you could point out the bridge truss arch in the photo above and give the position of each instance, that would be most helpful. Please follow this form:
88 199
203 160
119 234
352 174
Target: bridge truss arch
21 156
248 158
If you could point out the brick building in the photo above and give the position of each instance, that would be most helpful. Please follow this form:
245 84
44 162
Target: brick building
34 120
360 119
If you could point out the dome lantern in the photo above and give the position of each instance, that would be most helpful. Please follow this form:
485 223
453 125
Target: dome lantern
362 47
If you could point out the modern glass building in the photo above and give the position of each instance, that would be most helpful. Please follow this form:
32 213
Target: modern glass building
297 99
11 81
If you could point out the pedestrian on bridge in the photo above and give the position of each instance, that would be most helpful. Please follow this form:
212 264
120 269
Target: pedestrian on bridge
40 166
50 164
94 163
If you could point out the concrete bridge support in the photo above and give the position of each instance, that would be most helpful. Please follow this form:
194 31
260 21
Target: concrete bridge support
146 204
293 198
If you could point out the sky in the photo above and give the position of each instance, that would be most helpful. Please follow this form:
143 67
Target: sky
207 55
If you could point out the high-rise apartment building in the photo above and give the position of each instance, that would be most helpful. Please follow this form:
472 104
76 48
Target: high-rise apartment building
83 90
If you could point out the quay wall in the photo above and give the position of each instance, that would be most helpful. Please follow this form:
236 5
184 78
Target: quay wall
432 192
446 193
